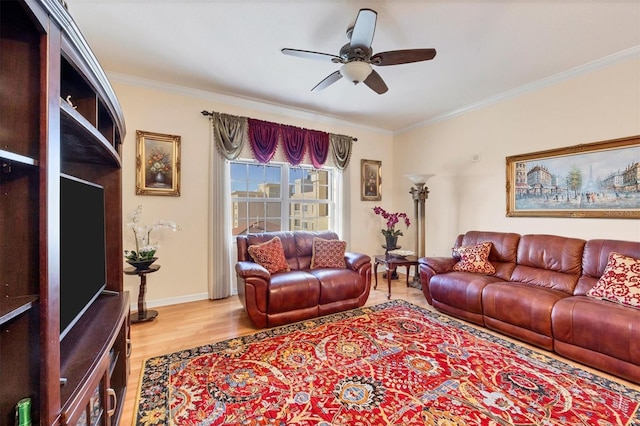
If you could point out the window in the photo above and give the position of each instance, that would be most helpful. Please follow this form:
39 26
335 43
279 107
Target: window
280 197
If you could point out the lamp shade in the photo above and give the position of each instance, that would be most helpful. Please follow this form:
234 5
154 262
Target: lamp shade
420 177
355 71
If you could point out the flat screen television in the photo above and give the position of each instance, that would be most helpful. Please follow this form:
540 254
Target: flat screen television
82 248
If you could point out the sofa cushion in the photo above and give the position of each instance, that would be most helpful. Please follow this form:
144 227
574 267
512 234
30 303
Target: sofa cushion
521 310
270 254
293 291
460 291
595 259
474 259
620 281
549 261
504 246
328 253
593 327
338 284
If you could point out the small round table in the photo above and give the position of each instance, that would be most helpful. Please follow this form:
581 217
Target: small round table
143 314
391 263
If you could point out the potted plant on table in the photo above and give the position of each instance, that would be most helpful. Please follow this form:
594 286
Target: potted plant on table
144 255
390 233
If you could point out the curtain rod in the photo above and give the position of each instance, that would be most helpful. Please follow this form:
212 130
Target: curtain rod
210 114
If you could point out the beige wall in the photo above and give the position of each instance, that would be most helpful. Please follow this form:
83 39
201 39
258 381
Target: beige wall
465 195
600 105
183 255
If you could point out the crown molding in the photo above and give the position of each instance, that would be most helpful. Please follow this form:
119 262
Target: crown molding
243 102
625 55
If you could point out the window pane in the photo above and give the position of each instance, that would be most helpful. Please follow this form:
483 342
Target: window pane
322 185
255 180
273 210
272 174
272 225
272 190
238 177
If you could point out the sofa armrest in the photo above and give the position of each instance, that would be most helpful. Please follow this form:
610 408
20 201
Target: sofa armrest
253 284
356 260
430 266
247 269
439 265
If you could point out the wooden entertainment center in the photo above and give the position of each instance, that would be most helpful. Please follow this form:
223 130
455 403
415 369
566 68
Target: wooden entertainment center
58 115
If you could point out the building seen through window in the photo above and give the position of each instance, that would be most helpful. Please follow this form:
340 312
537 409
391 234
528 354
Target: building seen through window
259 203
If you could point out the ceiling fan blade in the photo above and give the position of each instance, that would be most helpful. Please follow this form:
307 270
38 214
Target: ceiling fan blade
375 83
364 28
307 54
396 57
328 81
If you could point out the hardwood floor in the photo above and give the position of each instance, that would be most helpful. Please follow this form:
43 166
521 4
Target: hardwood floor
193 324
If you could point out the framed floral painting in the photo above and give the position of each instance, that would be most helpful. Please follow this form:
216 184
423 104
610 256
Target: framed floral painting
157 164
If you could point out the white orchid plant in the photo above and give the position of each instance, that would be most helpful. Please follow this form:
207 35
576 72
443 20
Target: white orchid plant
145 249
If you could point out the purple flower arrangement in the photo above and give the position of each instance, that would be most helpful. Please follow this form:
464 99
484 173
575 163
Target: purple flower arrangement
392 219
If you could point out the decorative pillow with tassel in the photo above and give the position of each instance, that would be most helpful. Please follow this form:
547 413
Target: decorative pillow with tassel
474 259
328 253
270 254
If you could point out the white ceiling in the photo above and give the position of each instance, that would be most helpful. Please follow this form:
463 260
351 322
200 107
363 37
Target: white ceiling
486 49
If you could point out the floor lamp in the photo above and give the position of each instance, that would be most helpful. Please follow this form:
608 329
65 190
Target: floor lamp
419 194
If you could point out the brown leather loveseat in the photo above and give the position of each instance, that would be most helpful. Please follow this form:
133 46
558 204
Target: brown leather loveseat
301 292
538 294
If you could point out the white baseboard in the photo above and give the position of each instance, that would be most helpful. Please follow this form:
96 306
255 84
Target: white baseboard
170 301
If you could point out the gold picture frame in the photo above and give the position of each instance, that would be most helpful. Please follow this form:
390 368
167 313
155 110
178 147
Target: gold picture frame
371 180
157 164
594 180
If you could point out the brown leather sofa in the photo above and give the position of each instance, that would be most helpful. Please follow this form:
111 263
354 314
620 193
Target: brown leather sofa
300 293
538 295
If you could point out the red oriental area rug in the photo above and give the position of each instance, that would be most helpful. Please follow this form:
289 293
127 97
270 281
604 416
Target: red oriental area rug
390 364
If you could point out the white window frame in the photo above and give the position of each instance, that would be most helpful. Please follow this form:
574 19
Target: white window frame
288 204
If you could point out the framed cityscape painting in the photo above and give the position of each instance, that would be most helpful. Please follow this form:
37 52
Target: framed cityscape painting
594 180
157 164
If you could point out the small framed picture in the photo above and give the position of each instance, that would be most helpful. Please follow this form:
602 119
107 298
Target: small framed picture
371 180
157 164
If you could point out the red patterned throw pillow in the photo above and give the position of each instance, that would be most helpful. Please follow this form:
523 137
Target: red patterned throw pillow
270 254
620 281
328 253
474 259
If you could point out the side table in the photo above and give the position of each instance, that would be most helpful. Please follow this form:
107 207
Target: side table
143 314
391 263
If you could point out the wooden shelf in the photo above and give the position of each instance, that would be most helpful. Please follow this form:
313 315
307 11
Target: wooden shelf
75 131
45 58
80 352
17 158
11 307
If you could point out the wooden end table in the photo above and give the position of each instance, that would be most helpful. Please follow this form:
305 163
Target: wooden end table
143 314
390 263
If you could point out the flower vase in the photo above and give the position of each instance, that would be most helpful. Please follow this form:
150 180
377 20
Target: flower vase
392 242
142 265
159 177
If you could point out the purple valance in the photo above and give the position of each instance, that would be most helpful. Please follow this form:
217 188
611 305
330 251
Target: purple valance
231 132
263 136
318 143
293 143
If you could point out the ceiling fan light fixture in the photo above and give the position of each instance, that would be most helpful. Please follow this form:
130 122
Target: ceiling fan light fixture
356 71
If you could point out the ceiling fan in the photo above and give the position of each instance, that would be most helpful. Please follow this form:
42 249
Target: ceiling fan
357 56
